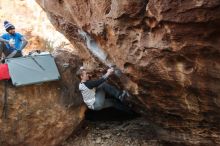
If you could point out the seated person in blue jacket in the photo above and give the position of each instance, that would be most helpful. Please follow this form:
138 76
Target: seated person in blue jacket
12 43
97 94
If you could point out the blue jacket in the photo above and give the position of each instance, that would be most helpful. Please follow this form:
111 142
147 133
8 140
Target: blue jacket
17 37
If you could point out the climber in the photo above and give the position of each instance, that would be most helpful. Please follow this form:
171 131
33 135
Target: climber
97 94
12 43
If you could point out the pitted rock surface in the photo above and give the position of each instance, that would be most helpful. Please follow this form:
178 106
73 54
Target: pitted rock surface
169 51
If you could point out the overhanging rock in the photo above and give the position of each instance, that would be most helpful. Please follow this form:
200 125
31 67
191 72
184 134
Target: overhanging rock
169 49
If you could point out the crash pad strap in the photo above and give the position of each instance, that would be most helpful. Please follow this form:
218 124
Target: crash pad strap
5 101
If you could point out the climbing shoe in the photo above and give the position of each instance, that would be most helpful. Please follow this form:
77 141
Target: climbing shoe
124 95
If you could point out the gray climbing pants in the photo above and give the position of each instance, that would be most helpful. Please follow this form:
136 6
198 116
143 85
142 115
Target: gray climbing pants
107 96
7 53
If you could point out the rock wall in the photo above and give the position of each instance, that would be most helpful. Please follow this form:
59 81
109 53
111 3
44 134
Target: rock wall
169 51
44 114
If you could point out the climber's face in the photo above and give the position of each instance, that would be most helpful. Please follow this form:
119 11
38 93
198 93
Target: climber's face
85 76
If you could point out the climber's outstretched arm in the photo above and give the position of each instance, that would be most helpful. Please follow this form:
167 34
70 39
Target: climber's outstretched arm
95 83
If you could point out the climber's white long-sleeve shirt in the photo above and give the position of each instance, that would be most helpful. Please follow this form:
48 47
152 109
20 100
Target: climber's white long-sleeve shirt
88 90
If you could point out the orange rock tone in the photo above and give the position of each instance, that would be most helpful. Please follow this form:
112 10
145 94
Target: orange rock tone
170 51
44 114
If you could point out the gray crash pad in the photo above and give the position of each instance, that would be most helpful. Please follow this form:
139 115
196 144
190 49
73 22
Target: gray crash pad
32 69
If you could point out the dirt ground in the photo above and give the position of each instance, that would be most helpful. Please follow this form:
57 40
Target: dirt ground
112 128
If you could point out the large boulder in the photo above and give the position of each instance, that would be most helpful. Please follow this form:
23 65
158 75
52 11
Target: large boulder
44 114
169 49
